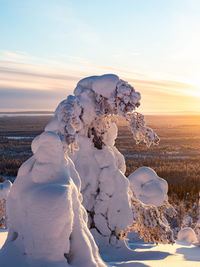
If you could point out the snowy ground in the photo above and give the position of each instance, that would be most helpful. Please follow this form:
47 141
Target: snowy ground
180 254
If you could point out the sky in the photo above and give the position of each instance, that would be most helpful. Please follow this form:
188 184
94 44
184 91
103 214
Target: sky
47 46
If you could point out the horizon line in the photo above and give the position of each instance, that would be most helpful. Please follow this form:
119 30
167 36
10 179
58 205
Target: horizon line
45 112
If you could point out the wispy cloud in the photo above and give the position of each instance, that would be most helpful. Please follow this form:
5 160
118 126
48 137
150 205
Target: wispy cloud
33 85
35 76
18 55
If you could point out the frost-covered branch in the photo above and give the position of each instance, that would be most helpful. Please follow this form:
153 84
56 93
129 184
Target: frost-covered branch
140 132
2 213
151 224
4 192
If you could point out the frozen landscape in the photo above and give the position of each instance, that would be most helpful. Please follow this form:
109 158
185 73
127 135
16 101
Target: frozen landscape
71 203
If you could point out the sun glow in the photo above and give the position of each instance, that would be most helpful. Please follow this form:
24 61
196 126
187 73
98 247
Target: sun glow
196 92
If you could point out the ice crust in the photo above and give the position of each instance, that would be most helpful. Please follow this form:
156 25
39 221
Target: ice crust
47 223
148 187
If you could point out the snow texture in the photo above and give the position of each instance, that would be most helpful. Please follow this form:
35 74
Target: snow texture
181 254
187 234
47 223
148 187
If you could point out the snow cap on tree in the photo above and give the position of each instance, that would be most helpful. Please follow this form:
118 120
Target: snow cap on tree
148 187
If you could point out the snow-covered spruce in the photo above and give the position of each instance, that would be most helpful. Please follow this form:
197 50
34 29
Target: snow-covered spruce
89 111
151 222
154 217
86 122
197 225
47 223
187 221
5 189
4 192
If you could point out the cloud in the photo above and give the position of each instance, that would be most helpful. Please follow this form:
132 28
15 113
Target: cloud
15 72
8 93
30 99
35 76
165 87
41 86
19 55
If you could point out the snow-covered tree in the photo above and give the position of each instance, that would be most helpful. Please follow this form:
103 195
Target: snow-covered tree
155 218
89 112
4 192
86 122
47 223
197 225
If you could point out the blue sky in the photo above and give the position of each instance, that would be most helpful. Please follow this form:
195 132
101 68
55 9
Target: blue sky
47 46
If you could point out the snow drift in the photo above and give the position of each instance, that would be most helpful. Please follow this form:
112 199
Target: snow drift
47 223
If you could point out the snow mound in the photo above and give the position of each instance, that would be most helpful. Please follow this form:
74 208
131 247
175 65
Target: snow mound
5 189
47 223
187 234
148 187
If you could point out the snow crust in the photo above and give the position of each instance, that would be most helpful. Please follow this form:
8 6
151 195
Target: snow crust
47 223
148 187
187 234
